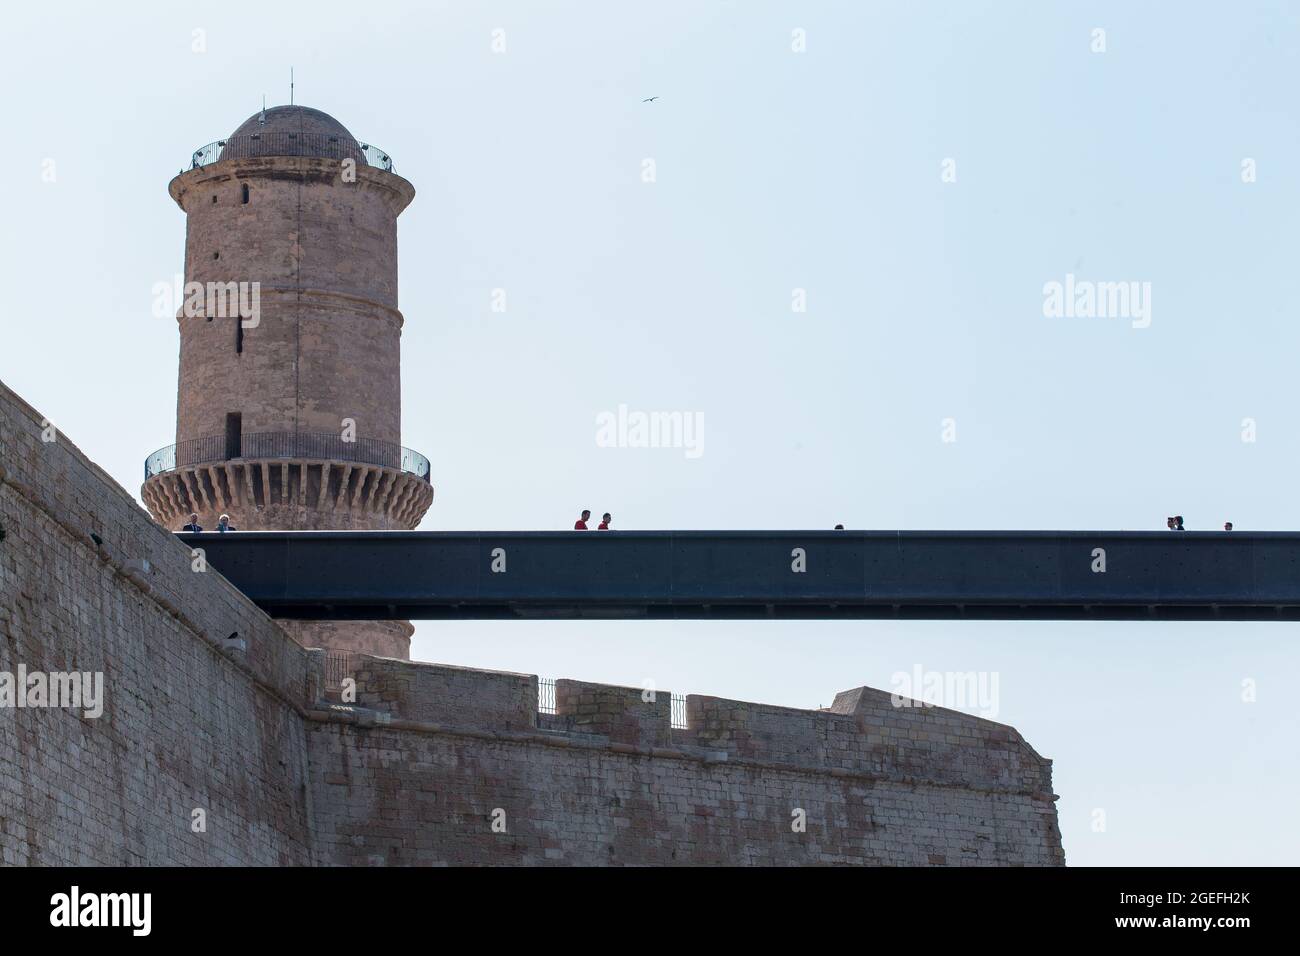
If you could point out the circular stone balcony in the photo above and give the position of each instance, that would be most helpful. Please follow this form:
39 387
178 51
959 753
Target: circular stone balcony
288 480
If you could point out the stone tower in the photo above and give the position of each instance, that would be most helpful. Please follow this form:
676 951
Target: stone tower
288 412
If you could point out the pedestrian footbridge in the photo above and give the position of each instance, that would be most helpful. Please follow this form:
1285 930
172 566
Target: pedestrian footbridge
999 575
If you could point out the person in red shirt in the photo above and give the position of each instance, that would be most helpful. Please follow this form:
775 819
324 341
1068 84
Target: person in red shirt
606 518
581 523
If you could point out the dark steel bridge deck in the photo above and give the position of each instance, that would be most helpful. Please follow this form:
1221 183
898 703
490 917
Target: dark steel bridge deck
997 575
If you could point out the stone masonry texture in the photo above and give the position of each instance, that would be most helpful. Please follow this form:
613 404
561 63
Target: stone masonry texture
185 727
426 763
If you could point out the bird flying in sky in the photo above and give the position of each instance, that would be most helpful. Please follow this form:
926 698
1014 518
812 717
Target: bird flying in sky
650 99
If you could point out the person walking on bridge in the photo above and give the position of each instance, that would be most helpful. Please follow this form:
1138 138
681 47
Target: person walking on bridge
605 519
581 523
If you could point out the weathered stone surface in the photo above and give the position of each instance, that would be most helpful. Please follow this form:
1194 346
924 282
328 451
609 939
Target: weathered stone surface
186 725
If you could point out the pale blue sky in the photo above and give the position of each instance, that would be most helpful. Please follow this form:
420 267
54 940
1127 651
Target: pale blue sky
776 171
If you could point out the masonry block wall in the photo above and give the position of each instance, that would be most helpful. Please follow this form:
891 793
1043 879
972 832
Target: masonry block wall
186 725
429 764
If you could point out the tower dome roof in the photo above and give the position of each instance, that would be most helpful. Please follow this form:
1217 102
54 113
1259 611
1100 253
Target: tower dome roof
292 119
292 131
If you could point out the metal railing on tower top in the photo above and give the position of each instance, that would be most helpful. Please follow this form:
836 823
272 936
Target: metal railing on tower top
283 143
324 446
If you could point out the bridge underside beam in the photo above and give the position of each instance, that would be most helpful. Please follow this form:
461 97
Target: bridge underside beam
793 575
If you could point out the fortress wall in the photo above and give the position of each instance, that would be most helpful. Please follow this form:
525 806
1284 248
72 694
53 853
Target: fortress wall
185 724
613 784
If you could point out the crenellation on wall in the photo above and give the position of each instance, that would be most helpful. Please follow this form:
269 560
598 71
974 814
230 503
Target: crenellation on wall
447 695
625 715
947 745
756 731
865 733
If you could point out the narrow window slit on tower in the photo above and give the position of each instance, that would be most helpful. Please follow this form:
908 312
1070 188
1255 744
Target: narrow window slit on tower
239 336
234 434
245 193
